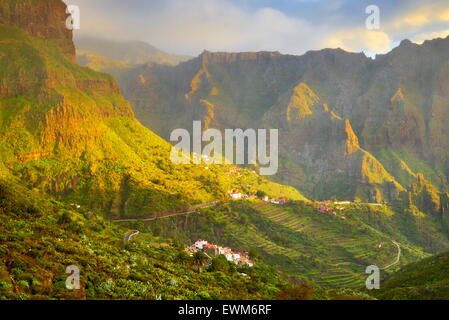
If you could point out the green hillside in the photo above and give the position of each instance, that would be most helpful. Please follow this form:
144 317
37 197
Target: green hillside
427 279
99 63
330 250
41 237
68 131
79 172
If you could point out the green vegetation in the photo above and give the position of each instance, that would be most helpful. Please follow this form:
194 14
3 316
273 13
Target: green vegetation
424 280
349 128
332 251
71 134
99 63
72 155
41 237
69 140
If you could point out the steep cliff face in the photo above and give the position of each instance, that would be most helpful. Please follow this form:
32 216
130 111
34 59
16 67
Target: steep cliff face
395 105
40 19
324 151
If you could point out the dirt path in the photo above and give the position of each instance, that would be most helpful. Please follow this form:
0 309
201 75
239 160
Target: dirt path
398 257
132 234
170 214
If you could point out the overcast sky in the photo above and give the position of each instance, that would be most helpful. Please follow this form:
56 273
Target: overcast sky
288 26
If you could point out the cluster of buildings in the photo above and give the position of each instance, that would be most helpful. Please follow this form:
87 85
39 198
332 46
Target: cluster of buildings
235 195
274 201
212 250
334 211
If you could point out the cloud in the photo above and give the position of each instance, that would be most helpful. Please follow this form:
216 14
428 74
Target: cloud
414 19
221 26
417 22
360 40
181 26
191 26
420 38
423 15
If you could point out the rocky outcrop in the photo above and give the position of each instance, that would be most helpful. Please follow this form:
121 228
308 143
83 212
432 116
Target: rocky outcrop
41 19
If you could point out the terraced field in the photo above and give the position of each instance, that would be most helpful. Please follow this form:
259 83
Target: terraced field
295 238
350 251
250 237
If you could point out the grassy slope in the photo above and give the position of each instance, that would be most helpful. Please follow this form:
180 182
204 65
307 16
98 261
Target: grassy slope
40 237
99 63
426 279
306 243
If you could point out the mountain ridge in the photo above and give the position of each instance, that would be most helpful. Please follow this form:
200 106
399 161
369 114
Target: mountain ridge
128 52
243 87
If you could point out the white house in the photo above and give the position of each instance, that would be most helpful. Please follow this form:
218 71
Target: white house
342 202
229 257
236 195
200 244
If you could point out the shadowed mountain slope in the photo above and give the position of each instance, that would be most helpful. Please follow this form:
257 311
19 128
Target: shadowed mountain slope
389 113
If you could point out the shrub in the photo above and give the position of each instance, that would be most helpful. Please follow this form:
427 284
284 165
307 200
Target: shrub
203 295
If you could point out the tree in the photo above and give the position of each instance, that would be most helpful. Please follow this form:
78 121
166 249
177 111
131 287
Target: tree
199 258
297 292
182 258
254 254
260 194
220 264
357 200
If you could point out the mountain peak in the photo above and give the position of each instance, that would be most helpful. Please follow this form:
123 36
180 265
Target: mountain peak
352 141
302 101
128 52
405 42
398 96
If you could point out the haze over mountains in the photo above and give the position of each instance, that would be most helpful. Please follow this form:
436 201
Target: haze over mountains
128 52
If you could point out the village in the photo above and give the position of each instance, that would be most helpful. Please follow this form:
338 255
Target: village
235 195
337 210
212 250
331 207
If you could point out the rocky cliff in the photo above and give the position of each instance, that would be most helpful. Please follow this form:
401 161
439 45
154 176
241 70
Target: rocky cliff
40 19
395 105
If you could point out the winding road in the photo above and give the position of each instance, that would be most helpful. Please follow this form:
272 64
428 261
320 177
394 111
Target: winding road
398 258
161 215
132 234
